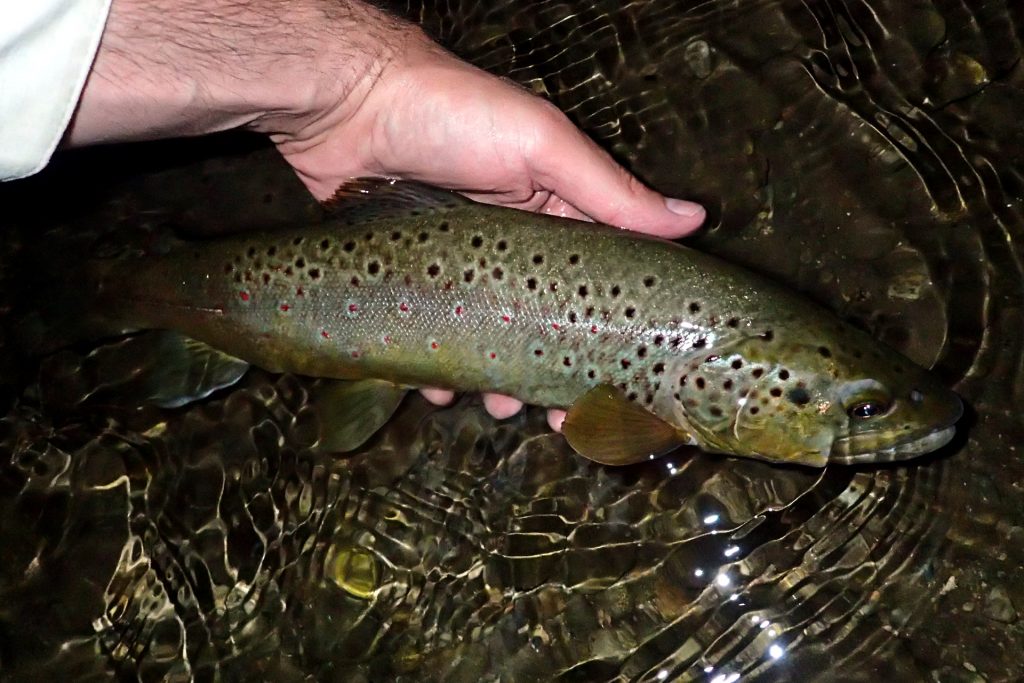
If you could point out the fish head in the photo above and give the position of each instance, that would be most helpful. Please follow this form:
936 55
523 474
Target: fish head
848 401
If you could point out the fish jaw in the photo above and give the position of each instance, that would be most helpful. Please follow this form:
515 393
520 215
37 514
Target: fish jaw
874 447
845 451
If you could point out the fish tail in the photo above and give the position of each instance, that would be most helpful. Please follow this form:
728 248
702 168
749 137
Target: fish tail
57 301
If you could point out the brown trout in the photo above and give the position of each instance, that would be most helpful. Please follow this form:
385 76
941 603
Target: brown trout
646 343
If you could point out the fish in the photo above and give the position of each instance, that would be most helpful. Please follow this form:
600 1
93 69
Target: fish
646 343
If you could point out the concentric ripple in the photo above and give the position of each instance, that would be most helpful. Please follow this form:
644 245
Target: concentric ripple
867 153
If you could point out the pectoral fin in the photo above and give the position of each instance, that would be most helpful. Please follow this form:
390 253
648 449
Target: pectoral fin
604 426
351 412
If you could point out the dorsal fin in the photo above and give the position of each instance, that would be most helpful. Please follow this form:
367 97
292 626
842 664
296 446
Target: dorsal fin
367 199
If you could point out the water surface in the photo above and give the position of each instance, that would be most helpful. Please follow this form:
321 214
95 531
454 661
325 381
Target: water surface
866 153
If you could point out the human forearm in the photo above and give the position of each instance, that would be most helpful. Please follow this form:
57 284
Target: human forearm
187 67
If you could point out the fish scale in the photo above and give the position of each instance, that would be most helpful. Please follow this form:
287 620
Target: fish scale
422 288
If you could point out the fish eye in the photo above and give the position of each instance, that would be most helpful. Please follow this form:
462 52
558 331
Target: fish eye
865 410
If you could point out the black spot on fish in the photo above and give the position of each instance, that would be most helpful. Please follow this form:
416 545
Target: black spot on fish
583 291
625 363
649 399
641 352
824 351
483 261
716 411
368 237
768 335
468 275
630 312
251 252
754 410
695 307
266 278
325 244
498 273
477 241
443 227
531 283
615 291
395 236
433 270
589 312
574 259
682 380
649 281
567 362
783 374
573 317
300 262
314 273
591 374
700 383
423 237
271 251
538 259
373 268
632 396
758 372
553 286
349 246
733 322
737 364
799 396
298 240
354 281
658 368
675 342
538 352
776 392
502 245
700 343
659 340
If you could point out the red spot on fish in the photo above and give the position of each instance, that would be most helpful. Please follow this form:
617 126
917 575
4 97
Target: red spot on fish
387 339
493 355
506 318
352 308
556 326
593 329
355 354
299 291
325 334
458 310
434 345
285 307
403 307
244 295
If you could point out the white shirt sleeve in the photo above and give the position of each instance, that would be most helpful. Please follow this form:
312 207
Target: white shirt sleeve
46 50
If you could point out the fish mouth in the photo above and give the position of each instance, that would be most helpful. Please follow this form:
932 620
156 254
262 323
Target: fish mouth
852 450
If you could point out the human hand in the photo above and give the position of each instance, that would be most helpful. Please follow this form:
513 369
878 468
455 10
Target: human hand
344 91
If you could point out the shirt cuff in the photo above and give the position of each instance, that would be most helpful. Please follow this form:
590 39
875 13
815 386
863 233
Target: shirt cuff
46 51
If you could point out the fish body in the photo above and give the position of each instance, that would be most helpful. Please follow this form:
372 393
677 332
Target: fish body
423 288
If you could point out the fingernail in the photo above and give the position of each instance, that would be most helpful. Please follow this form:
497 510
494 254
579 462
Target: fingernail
681 207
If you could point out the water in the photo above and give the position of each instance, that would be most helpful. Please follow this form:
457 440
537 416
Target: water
866 153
